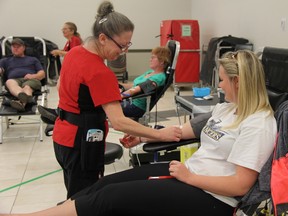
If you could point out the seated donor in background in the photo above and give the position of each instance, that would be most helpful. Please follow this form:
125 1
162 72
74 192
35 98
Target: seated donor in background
147 82
23 74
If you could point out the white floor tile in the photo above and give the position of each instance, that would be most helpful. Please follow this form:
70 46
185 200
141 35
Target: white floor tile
31 178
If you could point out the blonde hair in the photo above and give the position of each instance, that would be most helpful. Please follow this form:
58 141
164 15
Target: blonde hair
252 94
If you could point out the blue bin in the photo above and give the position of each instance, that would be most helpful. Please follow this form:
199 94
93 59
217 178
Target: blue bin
201 92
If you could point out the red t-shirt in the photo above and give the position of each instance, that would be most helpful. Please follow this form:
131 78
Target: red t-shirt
82 67
74 41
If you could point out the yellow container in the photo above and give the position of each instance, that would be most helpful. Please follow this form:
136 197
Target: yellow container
187 151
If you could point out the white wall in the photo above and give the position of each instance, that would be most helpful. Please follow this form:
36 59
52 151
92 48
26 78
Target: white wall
256 20
45 18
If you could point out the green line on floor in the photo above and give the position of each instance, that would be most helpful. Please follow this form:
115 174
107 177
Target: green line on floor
116 132
42 176
31 180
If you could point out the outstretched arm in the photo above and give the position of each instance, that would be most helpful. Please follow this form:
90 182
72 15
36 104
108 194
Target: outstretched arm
58 52
190 130
130 92
119 122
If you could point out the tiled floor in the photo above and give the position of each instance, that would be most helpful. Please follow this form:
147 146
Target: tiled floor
30 177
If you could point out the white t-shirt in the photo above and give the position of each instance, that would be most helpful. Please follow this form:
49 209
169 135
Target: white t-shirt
249 145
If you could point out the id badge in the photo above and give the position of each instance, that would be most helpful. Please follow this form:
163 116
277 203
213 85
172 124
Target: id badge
94 135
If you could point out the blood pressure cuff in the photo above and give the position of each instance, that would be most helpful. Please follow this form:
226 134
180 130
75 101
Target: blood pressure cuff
199 122
148 86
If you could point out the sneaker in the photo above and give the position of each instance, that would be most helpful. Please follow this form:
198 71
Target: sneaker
17 105
24 98
48 115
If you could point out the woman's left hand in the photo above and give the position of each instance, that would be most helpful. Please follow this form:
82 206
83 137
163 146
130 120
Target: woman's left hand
179 171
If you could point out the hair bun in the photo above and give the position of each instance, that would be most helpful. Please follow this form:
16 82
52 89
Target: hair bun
104 9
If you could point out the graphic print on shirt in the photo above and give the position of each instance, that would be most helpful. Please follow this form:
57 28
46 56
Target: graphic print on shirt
212 129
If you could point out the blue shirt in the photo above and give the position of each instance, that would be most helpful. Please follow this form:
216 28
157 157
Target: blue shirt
17 67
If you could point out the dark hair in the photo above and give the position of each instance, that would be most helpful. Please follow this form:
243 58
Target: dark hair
110 22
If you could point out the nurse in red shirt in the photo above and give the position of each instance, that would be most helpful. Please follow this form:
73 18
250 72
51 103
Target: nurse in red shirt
88 95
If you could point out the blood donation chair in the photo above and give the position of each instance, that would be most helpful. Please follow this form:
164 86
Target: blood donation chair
138 157
35 46
119 67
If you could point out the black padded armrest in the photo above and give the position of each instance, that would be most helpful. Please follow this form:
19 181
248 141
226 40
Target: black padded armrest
168 146
140 95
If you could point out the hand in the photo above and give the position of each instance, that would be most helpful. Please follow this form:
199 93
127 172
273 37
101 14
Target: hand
129 141
125 94
170 134
29 76
55 52
179 171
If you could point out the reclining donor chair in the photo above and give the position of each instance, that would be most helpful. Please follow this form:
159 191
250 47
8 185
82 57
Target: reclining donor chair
35 46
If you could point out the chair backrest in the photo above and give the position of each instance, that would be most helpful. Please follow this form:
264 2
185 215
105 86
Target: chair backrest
35 47
118 65
275 64
261 191
174 47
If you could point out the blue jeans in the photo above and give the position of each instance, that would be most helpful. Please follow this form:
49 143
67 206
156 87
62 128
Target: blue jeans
130 110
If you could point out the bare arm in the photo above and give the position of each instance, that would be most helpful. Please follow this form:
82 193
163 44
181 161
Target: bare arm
119 122
130 92
235 185
39 75
58 52
58 84
187 133
129 141
126 85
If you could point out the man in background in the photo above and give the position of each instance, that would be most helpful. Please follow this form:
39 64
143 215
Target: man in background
23 74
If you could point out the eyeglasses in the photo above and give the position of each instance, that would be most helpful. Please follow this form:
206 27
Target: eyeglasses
123 48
